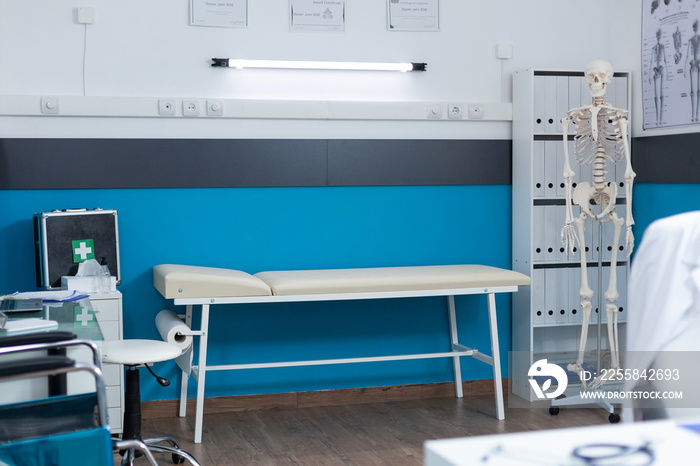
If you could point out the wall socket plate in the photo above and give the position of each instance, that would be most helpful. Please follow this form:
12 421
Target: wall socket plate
166 107
215 107
476 111
455 111
49 105
434 111
190 107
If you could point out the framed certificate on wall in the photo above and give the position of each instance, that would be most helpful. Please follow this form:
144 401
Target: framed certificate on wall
317 16
413 15
224 13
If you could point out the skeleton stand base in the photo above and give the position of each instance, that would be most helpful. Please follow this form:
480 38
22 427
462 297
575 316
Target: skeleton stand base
577 400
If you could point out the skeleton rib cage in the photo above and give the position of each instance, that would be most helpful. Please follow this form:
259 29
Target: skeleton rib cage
608 134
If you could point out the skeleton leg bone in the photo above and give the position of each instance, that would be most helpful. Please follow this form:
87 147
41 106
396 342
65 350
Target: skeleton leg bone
586 294
612 295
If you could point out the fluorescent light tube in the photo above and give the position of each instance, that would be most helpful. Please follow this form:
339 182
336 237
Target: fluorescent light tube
317 65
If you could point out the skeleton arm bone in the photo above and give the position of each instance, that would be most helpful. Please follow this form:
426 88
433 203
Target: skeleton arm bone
629 181
568 234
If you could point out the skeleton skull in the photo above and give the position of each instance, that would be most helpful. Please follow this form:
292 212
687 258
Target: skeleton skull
599 73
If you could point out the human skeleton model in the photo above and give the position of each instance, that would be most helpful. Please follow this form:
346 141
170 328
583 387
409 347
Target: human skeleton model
694 57
601 134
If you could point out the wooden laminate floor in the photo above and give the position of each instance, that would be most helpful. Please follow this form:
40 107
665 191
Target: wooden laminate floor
388 433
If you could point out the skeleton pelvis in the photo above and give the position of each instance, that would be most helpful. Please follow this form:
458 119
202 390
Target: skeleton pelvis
585 196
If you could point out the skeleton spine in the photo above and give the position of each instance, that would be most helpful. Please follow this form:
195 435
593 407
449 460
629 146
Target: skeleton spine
599 169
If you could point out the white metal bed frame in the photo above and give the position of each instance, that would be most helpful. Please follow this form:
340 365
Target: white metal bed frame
200 370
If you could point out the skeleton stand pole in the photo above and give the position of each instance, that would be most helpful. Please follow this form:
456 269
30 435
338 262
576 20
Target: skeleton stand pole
600 287
577 400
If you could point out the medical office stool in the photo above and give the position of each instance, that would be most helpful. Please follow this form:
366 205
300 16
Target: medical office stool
134 353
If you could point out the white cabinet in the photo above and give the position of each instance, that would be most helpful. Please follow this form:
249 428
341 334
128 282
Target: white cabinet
108 310
547 315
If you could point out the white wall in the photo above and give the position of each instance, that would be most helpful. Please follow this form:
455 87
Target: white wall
148 50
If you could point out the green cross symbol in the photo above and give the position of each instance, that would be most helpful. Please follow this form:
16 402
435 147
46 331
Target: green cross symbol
83 318
83 249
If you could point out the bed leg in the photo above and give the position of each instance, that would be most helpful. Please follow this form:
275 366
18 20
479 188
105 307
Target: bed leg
455 340
185 375
201 372
498 384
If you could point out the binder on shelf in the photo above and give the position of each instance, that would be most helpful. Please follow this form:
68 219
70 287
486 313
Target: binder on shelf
572 160
622 289
538 244
579 246
550 104
574 92
562 101
538 169
560 219
551 232
550 296
537 290
538 105
562 295
585 91
574 295
607 237
550 168
591 240
560 185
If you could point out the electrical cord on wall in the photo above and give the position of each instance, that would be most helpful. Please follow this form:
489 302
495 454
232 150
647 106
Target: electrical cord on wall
85 40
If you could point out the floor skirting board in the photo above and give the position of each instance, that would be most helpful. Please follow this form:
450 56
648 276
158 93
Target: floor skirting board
169 408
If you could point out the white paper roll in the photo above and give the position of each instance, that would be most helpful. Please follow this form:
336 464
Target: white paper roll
171 329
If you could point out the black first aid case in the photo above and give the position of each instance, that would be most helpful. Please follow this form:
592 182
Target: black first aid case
65 238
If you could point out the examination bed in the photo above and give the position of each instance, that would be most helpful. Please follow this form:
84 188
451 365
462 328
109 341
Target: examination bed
206 286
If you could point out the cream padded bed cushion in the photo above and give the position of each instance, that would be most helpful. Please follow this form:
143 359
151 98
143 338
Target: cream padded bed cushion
188 281
434 277
185 281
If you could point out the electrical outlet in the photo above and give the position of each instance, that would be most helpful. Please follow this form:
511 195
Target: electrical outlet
455 111
215 107
434 111
476 111
166 107
190 108
49 105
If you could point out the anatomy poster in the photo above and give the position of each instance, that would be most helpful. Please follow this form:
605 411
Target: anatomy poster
670 62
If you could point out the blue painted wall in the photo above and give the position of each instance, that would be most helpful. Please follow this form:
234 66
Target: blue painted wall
255 229
654 201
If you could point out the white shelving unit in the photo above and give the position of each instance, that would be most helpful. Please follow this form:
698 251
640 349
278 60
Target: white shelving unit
547 315
108 311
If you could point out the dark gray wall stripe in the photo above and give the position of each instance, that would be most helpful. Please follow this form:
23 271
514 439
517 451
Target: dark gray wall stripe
160 163
185 163
667 159
418 162
170 163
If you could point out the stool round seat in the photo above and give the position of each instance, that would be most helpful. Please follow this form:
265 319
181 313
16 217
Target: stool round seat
136 352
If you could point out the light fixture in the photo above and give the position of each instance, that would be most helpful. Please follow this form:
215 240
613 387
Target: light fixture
317 65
